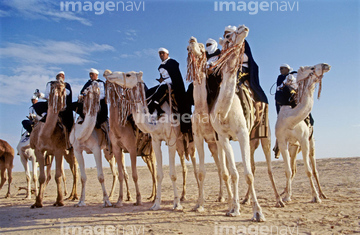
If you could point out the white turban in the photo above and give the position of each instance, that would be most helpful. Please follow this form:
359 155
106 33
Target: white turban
286 66
213 47
230 28
93 71
61 72
163 49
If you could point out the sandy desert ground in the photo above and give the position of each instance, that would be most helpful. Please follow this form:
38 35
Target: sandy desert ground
339 214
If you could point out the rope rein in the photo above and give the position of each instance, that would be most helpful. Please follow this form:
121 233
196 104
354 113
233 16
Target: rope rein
304 83
195 66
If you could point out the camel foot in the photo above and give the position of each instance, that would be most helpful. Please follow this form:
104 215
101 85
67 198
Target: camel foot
286 199
199 208
107 203
220 199
151 198
80 204
36 205
183 198
27 197
323 196
138 203
178 207
72 197
233 213
316 199
280 203
58 204
119 204
246 201
258 217
7 195
128 197
155 207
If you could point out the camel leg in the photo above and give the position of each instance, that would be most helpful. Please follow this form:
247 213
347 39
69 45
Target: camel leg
254 144
150 162
119 157
160 174
80 160
313 163
288 173
243 138
28 176
184 173
215 154
172 153
235 205
9 171
293 151
133 158
35 175
199 143
266 146
63 176
48 170
224 171
59 173
2 175
126 178
112 163
305 152
70 158
98 160
40 157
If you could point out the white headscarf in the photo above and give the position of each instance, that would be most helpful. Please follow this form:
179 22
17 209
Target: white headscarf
92 70
230 28
162 49
213 47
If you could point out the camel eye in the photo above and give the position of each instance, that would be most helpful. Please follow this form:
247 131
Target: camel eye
128 75
312 68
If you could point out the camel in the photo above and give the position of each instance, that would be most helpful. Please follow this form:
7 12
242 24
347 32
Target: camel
85 137
6 164
201 126
164 129
27 154
124 138
49 137
290 129
228 120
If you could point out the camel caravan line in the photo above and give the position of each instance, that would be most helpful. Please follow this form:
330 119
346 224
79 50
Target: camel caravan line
231 115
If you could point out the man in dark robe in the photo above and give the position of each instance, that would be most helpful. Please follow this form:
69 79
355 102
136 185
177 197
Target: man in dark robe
170 74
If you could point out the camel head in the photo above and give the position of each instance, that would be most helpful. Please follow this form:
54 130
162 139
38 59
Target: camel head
57 96
91 99
308 76
125 80
234 38
195 48
196 61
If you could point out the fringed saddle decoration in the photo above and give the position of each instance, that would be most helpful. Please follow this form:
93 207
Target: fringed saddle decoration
57 96
125 99
305 84
235 52
91 99
195 66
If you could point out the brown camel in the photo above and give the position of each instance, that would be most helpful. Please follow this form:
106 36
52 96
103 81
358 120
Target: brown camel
6 163
50 137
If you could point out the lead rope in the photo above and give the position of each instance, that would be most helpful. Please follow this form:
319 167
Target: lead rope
171 126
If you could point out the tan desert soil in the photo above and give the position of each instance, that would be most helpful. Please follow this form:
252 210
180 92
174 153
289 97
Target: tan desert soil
339 214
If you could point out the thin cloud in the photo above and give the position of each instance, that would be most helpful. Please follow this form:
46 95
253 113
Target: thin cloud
150 52
37 62
40 9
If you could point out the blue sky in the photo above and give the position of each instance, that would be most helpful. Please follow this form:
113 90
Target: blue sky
38 40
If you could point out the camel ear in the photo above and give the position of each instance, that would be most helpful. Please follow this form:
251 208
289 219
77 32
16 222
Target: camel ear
139 76
107 72
221 42
301 68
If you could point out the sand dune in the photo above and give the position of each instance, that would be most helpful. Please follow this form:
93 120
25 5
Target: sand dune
339 214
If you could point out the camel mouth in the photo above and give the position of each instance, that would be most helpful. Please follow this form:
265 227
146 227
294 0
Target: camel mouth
326 67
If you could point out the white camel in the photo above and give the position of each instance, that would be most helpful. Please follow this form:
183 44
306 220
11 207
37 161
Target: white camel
201 126
291 129
164 129
228 120
85 137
